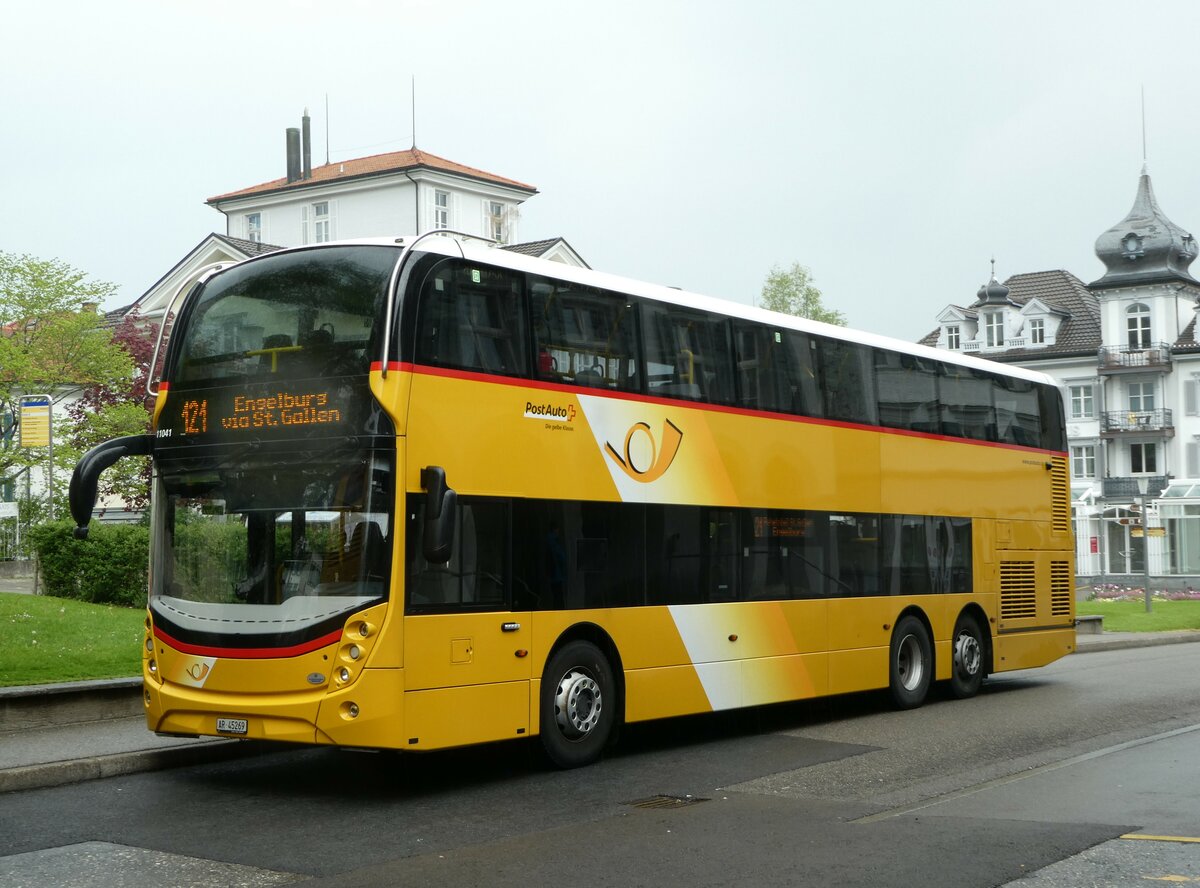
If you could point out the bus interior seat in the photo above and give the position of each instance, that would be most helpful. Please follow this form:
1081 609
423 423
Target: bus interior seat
373 561
589 377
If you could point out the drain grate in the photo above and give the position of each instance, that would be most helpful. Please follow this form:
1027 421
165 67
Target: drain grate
666 801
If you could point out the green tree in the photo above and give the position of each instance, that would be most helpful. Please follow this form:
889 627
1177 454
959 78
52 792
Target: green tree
793 292
52 341
103 412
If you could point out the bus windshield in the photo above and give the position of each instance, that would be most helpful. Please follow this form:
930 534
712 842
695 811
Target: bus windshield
271 548
295 315
273 498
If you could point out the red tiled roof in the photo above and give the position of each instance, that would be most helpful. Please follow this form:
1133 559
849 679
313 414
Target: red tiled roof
377 164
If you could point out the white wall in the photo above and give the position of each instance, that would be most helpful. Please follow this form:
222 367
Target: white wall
390 206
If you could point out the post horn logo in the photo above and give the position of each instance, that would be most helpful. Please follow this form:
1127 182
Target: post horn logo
198 671
660 458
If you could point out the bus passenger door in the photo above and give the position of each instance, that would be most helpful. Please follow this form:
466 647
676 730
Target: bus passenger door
465 654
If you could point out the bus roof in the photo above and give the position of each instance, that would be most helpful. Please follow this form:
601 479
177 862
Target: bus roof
486 252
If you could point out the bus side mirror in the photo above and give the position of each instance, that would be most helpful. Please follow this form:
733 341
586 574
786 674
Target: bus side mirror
86 477
441 503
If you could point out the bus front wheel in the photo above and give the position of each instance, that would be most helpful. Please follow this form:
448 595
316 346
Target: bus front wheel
578 705
911 663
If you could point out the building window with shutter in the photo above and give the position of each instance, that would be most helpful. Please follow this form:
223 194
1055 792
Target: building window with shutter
321 228
496 227
441 209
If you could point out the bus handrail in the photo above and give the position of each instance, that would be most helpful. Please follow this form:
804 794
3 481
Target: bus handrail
200 277
394 282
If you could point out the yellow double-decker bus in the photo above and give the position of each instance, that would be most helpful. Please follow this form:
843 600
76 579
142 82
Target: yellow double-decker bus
426 492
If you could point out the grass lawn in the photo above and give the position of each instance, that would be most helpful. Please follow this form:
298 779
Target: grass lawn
1131 616
44 639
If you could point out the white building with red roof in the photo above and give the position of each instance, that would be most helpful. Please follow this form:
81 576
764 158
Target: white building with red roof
399 193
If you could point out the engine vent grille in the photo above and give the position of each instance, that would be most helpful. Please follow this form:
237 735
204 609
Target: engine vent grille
1018 590
1060 502
1060 588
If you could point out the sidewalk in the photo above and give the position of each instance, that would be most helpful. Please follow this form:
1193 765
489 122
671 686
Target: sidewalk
56 734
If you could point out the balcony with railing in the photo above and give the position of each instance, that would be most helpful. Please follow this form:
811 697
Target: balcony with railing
1126 358
1137 422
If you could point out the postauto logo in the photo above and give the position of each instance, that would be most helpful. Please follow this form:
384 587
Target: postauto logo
644 459
555 412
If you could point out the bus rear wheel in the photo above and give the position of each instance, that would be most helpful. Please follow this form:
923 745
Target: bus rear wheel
578 704
966 673
911 663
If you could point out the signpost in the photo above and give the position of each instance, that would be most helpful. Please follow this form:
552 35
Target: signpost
1146 548
36 430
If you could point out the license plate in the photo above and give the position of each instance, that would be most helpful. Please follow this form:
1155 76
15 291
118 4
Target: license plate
232 726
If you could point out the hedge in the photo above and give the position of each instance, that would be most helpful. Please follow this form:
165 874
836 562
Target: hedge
109 567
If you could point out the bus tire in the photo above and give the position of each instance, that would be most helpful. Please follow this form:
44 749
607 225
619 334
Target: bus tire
911 663
578 704
968 661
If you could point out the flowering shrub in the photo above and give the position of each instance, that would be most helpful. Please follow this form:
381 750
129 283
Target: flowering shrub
1115 592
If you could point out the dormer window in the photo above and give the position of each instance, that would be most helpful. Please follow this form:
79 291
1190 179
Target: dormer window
993 328
1137 321
953 338
1037 331
1131 246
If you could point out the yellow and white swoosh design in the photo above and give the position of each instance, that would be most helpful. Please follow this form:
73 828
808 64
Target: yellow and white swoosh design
656 452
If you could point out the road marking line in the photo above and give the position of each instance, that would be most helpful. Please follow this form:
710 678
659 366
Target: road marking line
1023 775
1161 838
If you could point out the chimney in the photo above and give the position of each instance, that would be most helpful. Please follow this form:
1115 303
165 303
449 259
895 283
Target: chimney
293 154
307 142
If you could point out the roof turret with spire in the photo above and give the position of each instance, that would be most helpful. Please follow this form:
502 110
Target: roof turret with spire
1145 247
993 292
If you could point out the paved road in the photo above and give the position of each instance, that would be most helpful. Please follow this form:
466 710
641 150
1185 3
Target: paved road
1041 776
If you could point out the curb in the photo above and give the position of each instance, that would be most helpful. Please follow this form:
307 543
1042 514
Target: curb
50 774
27 707
1120 644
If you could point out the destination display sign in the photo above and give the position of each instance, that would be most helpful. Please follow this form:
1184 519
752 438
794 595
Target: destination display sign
311 408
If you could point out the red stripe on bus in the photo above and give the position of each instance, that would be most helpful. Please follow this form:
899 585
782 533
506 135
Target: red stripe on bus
260 653
541 385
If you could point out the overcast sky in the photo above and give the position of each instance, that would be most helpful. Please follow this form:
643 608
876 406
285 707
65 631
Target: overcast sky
893 148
